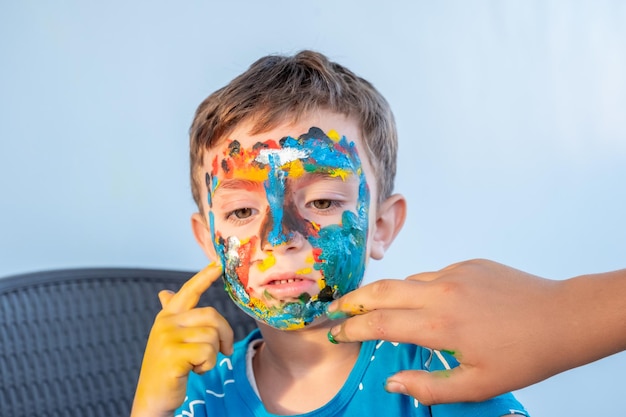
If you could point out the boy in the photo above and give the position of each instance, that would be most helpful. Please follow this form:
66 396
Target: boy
292 168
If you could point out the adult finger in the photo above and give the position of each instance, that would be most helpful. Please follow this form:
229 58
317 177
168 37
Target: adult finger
429 276
383 294
402 326
437 387
390 293
189 294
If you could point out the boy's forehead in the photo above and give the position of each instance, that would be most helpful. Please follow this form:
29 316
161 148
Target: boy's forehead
310 152
250 130
247 134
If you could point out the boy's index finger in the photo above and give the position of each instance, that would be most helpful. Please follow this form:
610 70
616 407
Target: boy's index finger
189 294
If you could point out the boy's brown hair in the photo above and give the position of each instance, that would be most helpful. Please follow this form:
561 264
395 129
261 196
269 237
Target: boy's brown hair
276 87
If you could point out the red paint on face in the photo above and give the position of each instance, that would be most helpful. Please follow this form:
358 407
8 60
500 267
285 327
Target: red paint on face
272 144
245 254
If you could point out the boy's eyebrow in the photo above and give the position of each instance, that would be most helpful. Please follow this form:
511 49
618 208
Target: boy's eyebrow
237 184
250 185
338 174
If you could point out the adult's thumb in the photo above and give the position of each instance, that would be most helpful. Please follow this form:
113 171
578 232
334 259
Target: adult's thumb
428 387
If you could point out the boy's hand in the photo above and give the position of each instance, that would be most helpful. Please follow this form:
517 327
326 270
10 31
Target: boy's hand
183 339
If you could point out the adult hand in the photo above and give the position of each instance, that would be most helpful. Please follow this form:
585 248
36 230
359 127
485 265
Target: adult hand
508 329
183 338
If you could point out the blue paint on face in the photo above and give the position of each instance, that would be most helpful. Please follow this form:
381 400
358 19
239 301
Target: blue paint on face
342 259
275 191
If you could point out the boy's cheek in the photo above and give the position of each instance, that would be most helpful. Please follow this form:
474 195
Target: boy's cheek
236 256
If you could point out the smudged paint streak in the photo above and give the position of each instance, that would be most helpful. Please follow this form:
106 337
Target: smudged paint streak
275 191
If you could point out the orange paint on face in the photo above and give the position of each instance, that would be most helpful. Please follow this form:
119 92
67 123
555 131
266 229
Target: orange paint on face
214 165
249 173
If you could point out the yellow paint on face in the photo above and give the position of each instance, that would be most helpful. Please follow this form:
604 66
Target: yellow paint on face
259 304
321 283
304 271
332 134
295 326
341 173
262 306
268 262
294 168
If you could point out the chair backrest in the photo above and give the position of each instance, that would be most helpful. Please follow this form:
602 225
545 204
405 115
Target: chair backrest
72 341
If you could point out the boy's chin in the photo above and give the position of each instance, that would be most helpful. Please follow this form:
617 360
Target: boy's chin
290 315
319 322
293 313
273 303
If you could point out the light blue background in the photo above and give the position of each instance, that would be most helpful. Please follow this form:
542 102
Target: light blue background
512 121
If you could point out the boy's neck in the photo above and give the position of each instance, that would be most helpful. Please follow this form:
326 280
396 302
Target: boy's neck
292 365
295 349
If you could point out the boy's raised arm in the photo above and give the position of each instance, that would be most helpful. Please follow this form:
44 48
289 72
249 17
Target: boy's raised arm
183 339
507 328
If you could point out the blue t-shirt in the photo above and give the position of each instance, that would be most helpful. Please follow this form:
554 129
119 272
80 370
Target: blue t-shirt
226 390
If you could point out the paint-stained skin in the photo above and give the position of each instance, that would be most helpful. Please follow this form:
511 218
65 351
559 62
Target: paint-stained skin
338 250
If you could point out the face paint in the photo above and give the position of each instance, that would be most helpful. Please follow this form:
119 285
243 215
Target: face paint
337 251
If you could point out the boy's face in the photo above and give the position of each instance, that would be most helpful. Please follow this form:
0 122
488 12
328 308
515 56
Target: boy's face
288 215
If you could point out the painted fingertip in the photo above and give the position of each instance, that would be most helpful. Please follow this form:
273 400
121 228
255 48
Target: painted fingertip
336 315
331 338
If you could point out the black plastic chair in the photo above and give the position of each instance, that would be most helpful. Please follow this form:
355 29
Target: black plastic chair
72 341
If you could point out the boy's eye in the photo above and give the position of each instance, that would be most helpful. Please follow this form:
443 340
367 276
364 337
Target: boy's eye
242 213
322 204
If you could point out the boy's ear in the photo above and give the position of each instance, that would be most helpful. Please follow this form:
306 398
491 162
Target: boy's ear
203 236
389 220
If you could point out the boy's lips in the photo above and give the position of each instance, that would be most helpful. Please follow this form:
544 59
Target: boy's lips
288 285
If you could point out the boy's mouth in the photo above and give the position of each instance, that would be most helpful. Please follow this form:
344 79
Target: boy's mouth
288 286
284 281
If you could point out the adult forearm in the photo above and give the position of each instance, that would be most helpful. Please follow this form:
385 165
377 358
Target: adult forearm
592 317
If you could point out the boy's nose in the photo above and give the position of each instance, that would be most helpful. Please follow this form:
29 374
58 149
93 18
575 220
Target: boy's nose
288 242
284 230
283 226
